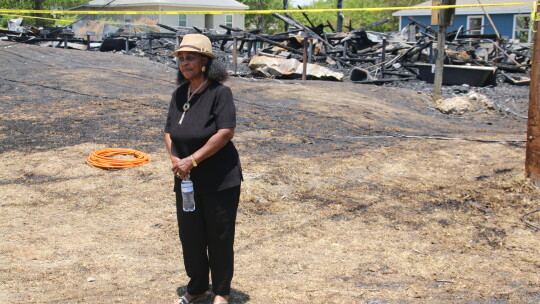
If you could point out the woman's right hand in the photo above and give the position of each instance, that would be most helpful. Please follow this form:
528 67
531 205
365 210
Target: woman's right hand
182 167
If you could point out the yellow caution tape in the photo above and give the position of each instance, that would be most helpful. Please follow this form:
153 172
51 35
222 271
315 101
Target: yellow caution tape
246 12
66 20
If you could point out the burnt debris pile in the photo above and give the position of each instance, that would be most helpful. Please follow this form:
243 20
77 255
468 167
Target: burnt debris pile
309 51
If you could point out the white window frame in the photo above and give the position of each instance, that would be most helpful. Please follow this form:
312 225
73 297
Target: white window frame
179 19
469 24
514 27
232 20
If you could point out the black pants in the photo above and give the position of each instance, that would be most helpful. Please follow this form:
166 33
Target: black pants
207 237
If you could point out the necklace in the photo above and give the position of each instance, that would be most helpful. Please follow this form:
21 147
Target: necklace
190 95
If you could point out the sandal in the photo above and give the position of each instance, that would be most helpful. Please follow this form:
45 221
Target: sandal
224 301
196 299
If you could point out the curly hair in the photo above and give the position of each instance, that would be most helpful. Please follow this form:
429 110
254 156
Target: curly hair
215 71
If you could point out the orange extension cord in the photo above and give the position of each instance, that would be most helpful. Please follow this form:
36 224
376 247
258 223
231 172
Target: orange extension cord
99 158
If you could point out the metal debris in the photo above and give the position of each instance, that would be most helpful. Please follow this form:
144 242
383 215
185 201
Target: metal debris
364 56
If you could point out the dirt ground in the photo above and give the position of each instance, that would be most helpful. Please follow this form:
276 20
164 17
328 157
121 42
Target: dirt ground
336 207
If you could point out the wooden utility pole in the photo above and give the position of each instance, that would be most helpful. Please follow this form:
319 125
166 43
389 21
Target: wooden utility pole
339 25
438 19
442 18
532 157
439 63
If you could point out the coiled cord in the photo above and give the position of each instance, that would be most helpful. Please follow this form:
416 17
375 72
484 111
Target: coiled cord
100 159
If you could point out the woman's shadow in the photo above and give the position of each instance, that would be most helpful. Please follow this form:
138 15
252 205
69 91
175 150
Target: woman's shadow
236 297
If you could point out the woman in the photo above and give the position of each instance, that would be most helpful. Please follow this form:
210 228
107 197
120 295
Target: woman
198 133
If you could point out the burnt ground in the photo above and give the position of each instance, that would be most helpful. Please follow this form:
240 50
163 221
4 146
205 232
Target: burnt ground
337 205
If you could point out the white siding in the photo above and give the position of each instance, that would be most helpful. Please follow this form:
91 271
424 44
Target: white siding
196 20
238 21
172 20
199 20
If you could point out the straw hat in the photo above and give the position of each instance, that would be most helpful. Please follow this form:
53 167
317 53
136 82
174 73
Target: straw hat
195 43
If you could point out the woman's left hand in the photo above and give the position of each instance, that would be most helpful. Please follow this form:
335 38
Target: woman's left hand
182 167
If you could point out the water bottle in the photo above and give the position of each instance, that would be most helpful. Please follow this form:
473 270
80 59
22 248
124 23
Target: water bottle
188 198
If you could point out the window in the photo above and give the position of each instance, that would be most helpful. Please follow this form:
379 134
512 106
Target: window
127 18
229 20
522 29
475 25
182 20
152 17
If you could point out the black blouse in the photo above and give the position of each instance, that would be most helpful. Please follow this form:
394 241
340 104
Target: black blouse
211 110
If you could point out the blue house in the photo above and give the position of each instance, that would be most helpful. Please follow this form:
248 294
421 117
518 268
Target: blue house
512 22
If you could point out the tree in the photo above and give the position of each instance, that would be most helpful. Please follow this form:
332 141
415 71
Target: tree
357 19
265 22
39 5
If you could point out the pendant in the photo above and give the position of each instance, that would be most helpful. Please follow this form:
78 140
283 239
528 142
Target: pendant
185 108
182 118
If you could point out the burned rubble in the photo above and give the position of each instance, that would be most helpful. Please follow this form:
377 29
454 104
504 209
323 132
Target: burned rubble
495 67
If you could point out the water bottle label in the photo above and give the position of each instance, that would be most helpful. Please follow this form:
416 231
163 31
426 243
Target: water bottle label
187 188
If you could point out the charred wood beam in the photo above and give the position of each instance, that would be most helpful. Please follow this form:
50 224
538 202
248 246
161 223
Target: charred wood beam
519 53
395 59
223 43
330 26
364 28
415 50
426 27
369 50
232 29
349 27
368 26
381 81
511 67
300 25
337 50
341 61
242 42
502 66
282 33
26 39
505 53
399 74
271 42
428 35
10 32
412 70
482 36
305 16
373 60
406 54
167 27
